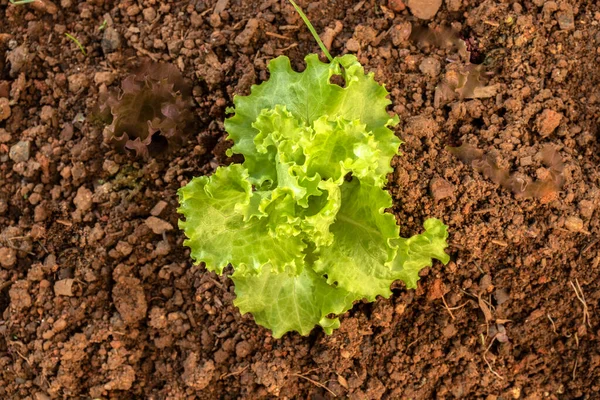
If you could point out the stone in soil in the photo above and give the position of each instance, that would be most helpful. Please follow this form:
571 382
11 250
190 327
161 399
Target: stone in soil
158 208
20 151
441 189
64 287
548 121
77 82
111 40
430 66
158 225
396 5
83 199
424 9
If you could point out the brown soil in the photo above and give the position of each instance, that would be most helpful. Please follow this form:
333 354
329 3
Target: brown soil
95 304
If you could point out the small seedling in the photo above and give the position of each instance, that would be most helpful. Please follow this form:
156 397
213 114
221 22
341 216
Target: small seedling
150 112
303 220
77 42
103 25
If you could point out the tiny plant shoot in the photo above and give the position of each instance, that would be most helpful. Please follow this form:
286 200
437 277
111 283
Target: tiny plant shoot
303 220
77 42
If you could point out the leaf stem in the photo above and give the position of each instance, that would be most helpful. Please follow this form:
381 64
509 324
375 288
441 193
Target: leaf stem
312 30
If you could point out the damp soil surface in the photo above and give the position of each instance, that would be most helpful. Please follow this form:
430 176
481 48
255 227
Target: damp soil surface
99 299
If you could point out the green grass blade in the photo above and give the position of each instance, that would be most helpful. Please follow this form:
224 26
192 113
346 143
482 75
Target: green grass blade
312 30
77 42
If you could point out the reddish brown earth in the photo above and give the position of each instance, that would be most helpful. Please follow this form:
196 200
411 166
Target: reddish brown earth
95 304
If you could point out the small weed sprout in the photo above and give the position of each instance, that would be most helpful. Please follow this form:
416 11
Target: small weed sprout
77 42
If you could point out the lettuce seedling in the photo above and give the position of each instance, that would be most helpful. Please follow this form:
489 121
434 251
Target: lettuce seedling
303 220
150 112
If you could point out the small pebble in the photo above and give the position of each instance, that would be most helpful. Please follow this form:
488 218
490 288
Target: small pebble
548 121
110 166
396 5
133 10
162 248
430 66
352 45
47 114
400 33
20 151
424 9
64 287
104 77
111 40
441 189
565 17
5 137
574 224
243 349
149 14
124 248
77 82
158 225
158 208
83 199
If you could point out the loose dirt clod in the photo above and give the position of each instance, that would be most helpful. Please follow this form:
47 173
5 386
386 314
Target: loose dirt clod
130 300
196 377
20 151
4 109
8 257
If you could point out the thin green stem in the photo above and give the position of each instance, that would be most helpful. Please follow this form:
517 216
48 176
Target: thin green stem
312 30
19 2
77 42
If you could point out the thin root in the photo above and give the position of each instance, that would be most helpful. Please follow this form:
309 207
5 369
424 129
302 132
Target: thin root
581 298
487 362
552 322
278 36
234 373
447 308
319 384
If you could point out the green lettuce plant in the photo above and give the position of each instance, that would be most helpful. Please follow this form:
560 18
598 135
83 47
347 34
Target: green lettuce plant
303 219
